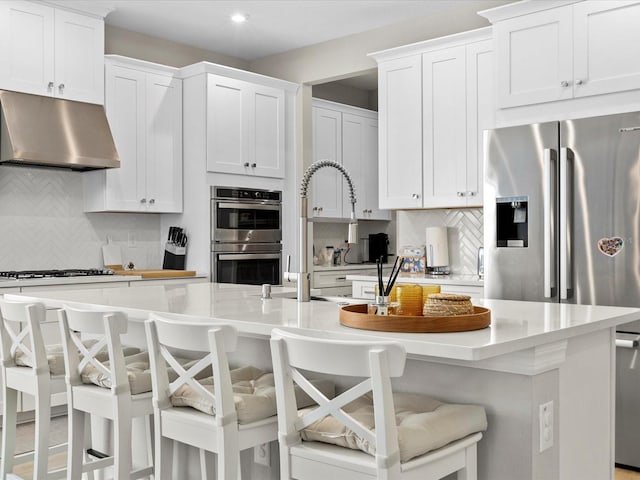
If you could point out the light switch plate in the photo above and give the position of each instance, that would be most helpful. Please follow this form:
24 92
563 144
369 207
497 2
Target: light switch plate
545 416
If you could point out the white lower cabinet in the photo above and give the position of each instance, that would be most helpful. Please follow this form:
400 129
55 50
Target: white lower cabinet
144 109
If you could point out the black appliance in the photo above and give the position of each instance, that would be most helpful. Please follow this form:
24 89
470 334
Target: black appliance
378 247
246 235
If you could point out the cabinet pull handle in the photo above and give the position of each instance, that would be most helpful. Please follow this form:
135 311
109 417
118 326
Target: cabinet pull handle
254 165
341 278
246 164
61 88
368 292
152 201
50 86
564 84
143 200
579 82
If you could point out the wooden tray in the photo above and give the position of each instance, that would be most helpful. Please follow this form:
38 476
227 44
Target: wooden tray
356 316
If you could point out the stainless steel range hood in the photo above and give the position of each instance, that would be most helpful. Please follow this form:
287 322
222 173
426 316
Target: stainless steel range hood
45 131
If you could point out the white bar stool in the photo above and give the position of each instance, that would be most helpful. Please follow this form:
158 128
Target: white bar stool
313 440
219 431
112 400
22 342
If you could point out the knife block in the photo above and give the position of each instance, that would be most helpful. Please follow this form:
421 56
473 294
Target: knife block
174 257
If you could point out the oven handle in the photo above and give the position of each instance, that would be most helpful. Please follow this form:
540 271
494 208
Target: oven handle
248 206
249 256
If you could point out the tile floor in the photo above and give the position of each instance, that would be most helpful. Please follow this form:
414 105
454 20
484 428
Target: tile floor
59 434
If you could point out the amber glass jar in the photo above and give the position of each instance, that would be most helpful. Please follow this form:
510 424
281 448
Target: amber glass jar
427 290
409 298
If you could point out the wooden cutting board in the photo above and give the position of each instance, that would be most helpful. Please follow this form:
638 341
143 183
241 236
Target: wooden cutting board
157 273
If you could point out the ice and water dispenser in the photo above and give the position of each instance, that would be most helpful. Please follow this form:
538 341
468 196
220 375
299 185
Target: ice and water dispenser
512 222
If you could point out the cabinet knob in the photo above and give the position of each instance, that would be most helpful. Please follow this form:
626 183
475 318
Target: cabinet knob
61 87
254 165
315 209
579 82
152 201
415 195
564 84
50 86
370 211
470 194
143 200
460 194
319 209
246 164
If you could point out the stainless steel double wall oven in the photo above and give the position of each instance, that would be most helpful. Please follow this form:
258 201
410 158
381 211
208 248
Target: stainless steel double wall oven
246 235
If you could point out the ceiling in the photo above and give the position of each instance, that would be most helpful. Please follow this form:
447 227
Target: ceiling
274 26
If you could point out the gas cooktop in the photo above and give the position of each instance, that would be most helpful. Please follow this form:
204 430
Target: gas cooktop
24 274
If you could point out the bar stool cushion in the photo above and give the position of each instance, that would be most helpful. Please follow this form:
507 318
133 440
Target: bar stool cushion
55 356
254 394
423 423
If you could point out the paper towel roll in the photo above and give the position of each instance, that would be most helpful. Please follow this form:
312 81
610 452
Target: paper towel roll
437 247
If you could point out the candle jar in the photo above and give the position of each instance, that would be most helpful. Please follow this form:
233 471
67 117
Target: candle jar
409 298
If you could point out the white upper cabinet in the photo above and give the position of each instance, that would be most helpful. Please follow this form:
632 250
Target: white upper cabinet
431 140
326 186
347 135
400 117
144 109
246 128
51 51
573 50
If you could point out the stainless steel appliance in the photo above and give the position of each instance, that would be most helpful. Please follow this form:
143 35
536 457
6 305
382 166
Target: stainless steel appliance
53 132
246 235
561 225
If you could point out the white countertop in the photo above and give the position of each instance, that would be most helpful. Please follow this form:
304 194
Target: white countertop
38 282
452 279
515 325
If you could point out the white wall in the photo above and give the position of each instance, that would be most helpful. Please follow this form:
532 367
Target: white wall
44 226
465 233
118 41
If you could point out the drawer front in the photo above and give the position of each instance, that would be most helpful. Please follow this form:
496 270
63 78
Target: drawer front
364 290
330 279
472 291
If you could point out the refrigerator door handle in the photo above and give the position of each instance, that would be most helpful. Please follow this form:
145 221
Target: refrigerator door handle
549 199
565 223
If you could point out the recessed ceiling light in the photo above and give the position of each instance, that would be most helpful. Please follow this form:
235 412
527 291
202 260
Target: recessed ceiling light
239 17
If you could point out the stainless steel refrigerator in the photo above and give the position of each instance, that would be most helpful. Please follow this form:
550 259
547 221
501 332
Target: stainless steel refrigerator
562 224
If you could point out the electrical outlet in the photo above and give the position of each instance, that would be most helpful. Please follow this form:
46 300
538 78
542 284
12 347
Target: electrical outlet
545 415
131 240
262 454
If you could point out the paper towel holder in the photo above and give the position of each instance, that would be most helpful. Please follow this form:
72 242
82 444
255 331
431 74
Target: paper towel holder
437 251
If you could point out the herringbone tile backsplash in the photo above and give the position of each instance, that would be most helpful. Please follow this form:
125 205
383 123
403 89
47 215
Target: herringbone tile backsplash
44 226
465 233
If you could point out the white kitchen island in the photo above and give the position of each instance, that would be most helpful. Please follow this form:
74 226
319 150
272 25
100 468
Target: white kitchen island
532 354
